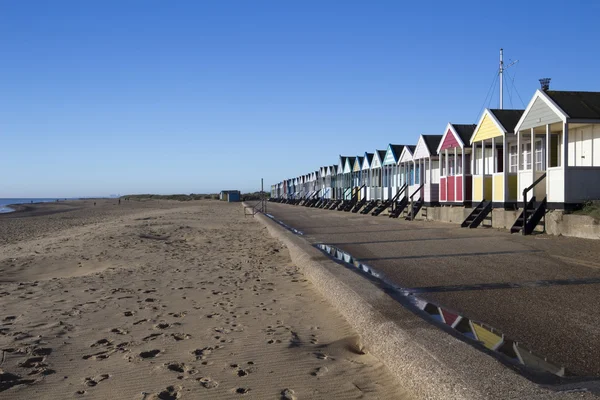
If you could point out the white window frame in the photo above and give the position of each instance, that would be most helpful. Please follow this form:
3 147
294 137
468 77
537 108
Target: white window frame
540 165
513 158
526 156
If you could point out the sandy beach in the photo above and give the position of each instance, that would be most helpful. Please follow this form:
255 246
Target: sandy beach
167 300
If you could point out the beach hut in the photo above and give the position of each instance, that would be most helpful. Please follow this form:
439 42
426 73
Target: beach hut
328 189
455 165
558 137
494 149
408 173
425 155
340 177
357 177
390 170
376 175
345 177
367 175
230 195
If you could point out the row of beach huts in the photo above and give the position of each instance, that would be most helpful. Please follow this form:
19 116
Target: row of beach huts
544 157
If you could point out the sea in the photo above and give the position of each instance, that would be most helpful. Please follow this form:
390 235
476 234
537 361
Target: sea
5 202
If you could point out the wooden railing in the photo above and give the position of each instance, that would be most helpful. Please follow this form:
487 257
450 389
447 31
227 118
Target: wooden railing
525 191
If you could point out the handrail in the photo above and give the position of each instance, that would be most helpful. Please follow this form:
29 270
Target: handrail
525 191
538 180
357 192
402 189
415 192
344 192
412 208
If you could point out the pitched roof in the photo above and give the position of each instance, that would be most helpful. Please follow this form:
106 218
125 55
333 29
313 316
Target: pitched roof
381 154
411 148
579 105
432 142
397 150
464 131
343 159
360 159
351 160
369 157
508 118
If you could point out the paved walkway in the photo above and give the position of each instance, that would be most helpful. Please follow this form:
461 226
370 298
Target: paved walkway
542 291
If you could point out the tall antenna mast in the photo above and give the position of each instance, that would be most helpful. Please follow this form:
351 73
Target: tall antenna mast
501 84
501 72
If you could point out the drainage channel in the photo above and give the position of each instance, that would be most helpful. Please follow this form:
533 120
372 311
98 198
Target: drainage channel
289 228
482 336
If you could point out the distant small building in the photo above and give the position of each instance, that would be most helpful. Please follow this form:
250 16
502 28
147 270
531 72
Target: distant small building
230 195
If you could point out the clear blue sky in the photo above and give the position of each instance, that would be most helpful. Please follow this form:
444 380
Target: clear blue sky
102 97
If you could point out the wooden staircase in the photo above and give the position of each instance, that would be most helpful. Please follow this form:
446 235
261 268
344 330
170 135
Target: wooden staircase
334 204
371 205
530 217
478 214
359 205
532 214
414 210
381 207
353 200
399 207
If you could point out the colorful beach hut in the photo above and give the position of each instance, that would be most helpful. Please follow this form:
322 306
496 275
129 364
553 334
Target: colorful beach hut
558 137
455 165
357 177
426 157
367 174
494 149
407 172
390 175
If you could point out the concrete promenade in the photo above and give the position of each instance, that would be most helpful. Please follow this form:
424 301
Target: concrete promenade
541 291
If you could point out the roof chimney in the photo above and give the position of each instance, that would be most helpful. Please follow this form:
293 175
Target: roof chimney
545 83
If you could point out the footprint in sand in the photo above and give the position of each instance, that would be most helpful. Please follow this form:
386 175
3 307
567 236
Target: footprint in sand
180 336
8 380
102 355
41 351
170 393
201 354
207 382
319 372
149 353
176 367
33 362
102 342
288 394
91 382
152 336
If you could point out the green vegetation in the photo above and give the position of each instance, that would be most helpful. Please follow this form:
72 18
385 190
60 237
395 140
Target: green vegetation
255 196
591 208
178 197
191 196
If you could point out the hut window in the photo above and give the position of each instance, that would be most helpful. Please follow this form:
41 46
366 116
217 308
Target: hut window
526 150
540 156
512 158
554 149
